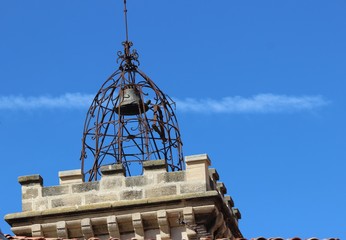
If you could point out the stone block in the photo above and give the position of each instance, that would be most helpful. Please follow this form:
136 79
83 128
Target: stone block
55 190
131 194
192 159
137 181
41 204
27 206
92 198
161 191
192 187
29 193
71 176
29 180
154 165
85 187
113 170
111 183
67 201
197 168
171 177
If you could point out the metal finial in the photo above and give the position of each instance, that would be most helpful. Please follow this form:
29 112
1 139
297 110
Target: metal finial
126 26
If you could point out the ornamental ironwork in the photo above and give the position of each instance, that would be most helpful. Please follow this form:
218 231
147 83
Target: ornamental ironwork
130 121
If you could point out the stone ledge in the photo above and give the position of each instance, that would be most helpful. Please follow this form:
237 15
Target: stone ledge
114 169
30 180
11 218
154 165
197 158
71 176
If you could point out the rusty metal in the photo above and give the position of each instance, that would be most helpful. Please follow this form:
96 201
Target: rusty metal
130 121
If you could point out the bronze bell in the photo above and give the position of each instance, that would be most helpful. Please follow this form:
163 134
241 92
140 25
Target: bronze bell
131 102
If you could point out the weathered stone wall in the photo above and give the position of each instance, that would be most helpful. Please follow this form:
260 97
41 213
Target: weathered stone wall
157 204
114 186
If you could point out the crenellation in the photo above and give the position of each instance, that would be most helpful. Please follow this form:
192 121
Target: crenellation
114 186
163 205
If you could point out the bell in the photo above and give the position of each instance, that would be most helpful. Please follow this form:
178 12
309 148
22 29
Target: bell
131 102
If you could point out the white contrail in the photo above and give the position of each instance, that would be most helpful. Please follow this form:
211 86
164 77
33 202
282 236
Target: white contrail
261 103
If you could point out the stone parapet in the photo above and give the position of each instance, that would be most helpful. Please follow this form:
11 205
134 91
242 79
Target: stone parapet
123 207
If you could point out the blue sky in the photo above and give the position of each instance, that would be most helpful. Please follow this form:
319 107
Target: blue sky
259 86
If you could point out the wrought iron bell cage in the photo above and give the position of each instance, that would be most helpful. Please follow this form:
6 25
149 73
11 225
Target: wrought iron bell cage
130 121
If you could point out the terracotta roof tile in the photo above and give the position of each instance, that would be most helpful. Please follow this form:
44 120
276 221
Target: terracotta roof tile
9 237
295 238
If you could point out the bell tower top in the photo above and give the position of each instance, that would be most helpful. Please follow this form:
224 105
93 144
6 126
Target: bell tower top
130 121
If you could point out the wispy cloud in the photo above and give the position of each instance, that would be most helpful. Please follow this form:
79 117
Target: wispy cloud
68 101
261 103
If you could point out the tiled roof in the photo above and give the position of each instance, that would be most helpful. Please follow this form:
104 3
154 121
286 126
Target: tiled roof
294 238
9 237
